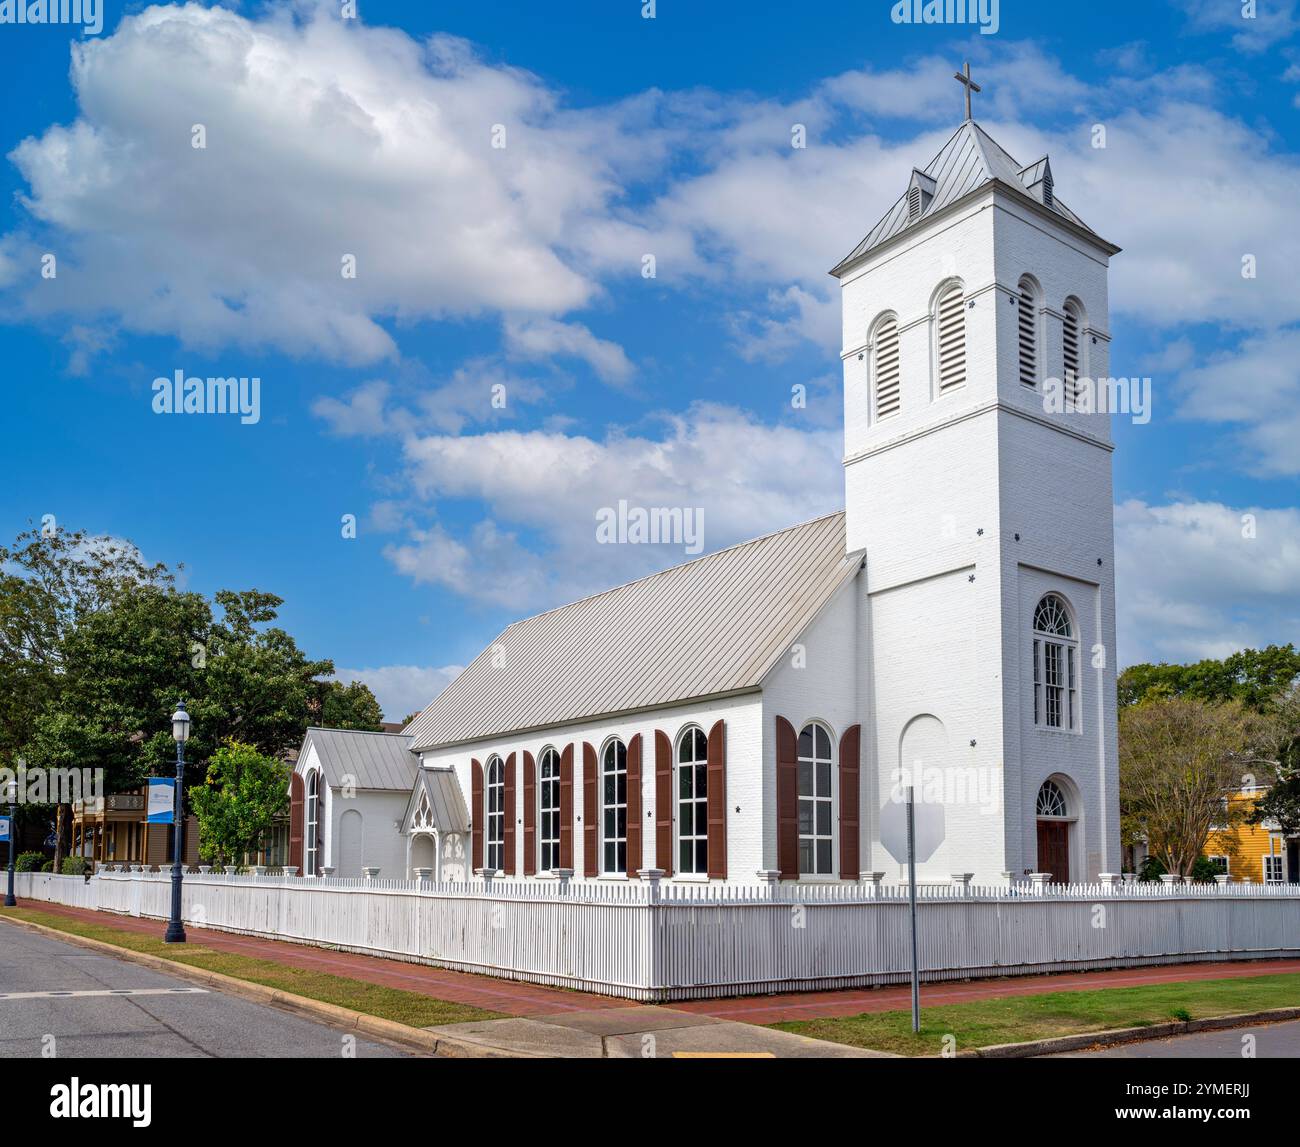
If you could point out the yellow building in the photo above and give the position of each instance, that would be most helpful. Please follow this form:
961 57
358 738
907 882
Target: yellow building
1262 854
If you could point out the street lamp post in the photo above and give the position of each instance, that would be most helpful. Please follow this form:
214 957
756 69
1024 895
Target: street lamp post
180 734
11 792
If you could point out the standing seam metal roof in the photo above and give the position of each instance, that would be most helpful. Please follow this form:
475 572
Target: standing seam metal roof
370 760
712 626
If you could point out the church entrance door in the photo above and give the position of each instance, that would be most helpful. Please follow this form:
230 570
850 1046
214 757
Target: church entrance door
1054 849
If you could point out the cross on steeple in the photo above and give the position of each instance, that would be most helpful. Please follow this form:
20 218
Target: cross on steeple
969 84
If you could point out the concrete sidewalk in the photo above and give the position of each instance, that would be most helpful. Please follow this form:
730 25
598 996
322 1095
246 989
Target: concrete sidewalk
642 1033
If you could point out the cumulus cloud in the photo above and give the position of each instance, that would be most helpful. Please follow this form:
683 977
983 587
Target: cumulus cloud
1202 579
402 689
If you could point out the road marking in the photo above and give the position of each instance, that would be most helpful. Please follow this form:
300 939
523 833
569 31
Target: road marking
723 1055
104 992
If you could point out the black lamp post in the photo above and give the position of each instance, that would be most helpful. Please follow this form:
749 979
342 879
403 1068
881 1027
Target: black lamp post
11 791
180 734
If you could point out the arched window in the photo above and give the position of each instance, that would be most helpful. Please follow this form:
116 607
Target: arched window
496 815
1071 351
885 373
614 807
312 828
950 337
1027 304
693 802
548 835
1056 666
1051 801
816 802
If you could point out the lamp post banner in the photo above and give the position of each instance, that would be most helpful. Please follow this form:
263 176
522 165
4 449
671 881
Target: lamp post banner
4 829
162 798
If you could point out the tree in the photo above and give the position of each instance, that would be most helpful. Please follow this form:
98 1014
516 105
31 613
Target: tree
350 707
1257 678
1178 757
242 794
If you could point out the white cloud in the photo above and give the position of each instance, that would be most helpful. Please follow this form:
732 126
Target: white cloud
549 338
402 689
1269 21
1191 583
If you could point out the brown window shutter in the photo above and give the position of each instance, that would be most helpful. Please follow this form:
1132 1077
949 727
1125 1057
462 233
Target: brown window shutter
663 802
787 800
718 801
590 842
476 814
850 770
530 814
296 819
635 812
566 807
508 819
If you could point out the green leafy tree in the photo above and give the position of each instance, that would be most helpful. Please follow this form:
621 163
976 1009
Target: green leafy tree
351 706
1258 678
243 793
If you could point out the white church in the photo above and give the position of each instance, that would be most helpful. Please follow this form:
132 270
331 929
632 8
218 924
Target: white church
750 714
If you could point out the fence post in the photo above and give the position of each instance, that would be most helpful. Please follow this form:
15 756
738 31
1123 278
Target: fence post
1040 881
564 875
1109 879
875 879
962 880
1222 879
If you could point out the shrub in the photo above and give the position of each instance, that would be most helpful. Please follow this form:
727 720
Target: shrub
1204 870
74 866
29 861
48 866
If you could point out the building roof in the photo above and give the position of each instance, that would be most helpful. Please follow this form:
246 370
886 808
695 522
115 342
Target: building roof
970 159
712 626
446 802
364 760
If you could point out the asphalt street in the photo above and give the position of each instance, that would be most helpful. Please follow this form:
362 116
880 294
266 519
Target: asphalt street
62 1000
1271 1041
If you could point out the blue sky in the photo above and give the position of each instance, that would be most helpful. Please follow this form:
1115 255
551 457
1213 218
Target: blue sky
521 268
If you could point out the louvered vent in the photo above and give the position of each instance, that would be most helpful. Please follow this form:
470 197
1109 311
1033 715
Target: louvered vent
1028 331
952 339
1070 365
914 204
1047 188
885 368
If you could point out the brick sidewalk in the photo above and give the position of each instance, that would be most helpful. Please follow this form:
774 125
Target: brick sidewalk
518 999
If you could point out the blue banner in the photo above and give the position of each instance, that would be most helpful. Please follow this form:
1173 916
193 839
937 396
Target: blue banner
162 800
4 829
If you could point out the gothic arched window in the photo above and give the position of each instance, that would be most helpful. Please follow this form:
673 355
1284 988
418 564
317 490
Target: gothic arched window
614 807
548 785
886 379
496 814
950 338
1056 665
816 802
312 829
693 802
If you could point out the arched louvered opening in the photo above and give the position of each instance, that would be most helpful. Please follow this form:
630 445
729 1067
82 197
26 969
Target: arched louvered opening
1071 365
1027 305
951 339
885 368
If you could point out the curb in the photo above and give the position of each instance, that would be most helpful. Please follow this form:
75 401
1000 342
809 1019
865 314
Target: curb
332 1014
1126 1035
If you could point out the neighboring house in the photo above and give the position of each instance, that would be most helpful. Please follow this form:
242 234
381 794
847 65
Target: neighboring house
756 710
114 829
1261 853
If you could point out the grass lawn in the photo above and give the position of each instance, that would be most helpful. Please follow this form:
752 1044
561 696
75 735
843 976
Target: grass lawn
411 1008
1014 1019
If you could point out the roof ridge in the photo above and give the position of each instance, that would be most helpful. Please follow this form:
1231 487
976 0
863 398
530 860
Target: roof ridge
359 732
670 569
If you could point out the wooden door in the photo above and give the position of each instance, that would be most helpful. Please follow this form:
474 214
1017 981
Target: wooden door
1054 849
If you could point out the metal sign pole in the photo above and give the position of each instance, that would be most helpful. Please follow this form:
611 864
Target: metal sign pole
911 901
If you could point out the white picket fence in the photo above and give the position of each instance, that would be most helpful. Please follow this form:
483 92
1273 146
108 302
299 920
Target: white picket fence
667 942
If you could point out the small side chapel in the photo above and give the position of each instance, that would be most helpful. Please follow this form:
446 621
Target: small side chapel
751 714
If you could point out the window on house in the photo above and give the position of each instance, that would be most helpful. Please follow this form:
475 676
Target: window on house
885 370
548 779
1027 308
950 318
1072 358
693 803
496 815
1056 666
1273 869
312 827
815 802
1220 864
614 808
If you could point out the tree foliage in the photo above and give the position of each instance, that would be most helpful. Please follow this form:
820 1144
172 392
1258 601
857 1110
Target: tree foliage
242 794
1258 678
351 706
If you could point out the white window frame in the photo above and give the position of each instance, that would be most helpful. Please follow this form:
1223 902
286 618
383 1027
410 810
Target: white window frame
696 803
615 806
1227 863
1267 863
494 807
1061 650
816 800
311 825
548 814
